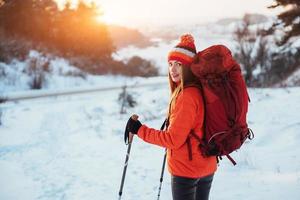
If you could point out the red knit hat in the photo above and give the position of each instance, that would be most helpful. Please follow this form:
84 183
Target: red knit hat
185 51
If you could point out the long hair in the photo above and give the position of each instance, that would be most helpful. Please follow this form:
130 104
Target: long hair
187 79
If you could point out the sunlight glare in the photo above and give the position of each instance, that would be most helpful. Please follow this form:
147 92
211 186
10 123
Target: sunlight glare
106 19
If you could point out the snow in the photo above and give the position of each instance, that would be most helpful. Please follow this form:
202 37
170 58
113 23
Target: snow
295 42
61 76
72 147
292 80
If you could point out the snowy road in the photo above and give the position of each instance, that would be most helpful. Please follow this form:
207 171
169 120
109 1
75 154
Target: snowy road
72 148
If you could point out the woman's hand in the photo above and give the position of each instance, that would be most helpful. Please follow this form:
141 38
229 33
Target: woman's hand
132 127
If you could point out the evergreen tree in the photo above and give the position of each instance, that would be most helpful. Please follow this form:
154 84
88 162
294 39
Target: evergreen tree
71 32
290 17
28 19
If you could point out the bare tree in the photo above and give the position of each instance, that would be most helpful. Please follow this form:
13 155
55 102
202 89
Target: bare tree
251 49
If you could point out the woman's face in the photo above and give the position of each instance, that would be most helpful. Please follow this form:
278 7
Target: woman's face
175 70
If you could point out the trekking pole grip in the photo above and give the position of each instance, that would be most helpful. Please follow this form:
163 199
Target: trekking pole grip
135 118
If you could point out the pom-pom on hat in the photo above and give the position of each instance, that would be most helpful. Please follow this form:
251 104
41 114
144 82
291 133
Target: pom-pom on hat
184 51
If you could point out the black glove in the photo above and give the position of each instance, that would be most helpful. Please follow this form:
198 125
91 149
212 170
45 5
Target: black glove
132 126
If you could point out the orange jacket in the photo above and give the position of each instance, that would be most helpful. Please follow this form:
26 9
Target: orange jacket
187 114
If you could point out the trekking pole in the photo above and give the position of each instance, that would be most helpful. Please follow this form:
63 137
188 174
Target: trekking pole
162 174
134 117
164 163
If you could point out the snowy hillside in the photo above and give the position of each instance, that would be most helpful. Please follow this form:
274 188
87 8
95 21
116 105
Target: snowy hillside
205 35
60 75
222 32
72 148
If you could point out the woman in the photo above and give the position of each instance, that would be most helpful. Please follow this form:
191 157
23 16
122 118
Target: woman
192 174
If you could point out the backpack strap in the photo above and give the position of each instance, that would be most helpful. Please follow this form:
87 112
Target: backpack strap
195 136
165 124
231 159
189 145
201 89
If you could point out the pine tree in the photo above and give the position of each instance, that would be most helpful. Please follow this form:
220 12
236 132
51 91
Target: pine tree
71 32
290 17
27 18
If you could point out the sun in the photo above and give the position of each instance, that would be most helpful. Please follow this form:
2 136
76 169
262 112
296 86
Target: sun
103 19
107 15
108 19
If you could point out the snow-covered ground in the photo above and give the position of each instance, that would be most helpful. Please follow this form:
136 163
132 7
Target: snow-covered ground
72 148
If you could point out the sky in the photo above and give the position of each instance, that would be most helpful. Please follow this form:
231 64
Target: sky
142 12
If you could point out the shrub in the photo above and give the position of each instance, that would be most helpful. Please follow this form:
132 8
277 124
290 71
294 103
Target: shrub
126 100
37 71
138 66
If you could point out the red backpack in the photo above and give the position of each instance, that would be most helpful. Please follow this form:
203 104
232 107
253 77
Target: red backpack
225 98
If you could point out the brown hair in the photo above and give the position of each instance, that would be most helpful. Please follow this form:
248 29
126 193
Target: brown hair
187 79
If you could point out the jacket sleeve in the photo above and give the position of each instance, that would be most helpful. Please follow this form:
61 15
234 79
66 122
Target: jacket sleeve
181 122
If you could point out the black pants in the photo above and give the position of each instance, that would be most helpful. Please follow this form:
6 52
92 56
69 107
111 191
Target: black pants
190 188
